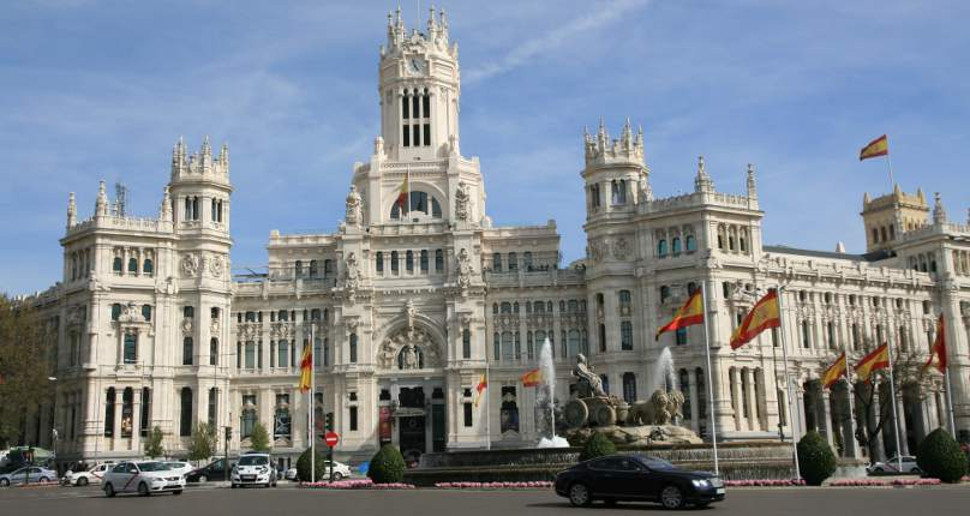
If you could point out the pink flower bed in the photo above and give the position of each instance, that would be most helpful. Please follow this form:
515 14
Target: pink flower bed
873 482
494 485
356 484
765 482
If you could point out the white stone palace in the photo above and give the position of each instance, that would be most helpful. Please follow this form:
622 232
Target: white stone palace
414 296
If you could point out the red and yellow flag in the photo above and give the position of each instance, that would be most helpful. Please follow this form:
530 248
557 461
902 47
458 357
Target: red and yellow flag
402 197
532 378
691 313
876 359
875 148
306 369
938 351
480 388
763 316
835 371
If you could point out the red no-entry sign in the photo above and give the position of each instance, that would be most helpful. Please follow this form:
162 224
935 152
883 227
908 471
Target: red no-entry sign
331 439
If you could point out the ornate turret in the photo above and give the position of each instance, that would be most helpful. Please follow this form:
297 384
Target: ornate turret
101 204
165 210
603 150
200 165
939 213
71 211
703 182
887 217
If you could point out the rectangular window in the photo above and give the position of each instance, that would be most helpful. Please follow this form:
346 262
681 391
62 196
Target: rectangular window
681 336
466 343
426 105
405 112
213 406
427 135
146 405
283 354
626 336
250 355
353 419
416 134
467 409
406 142
131 348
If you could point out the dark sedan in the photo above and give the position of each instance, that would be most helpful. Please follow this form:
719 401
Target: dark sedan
214 471
637 478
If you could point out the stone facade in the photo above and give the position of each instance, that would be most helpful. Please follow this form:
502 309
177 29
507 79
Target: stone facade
416 295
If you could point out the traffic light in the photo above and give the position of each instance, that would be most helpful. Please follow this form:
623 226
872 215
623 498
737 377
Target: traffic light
328 422
228 433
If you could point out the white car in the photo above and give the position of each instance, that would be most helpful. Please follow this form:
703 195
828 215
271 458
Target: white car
891 467
143 478
253 469
94 475
182 468
340 472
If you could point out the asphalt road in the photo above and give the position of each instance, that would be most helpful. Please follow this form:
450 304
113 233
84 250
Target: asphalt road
290 501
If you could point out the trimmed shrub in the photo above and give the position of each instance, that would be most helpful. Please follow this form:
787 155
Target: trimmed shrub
598 445
303 467
387 465
815 458
940 457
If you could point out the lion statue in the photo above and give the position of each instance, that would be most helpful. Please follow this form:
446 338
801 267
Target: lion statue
662 408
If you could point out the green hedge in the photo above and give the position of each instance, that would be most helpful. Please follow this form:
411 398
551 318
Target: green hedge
815 458
303 467
387 465
597 446
940 457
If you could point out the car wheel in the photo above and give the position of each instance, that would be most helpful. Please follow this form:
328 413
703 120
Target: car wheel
878 471
109 491
672 497
4 482
143 489
43 480
579 495
233 486
203 479
176 493
82 481
337 477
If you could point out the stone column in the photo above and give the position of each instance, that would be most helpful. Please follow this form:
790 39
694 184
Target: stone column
749 387
736 396
695 408
827 404
799 423
879 448
903 445
848 430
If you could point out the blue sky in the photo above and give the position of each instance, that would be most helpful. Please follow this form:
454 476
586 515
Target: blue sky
93 89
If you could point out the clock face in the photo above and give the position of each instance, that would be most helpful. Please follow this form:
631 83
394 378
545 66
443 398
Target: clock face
416 65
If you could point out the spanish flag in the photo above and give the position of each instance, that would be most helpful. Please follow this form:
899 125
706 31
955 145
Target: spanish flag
835 371
480 388
875 148
306 368
691 313
938 351
532 378
876 359
764 315
402 197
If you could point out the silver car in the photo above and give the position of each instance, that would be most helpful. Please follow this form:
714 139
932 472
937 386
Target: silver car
28 474
891 466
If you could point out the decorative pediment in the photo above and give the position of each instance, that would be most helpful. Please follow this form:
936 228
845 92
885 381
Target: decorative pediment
410 348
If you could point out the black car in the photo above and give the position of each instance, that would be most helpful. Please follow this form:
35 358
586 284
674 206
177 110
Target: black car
213 471
637 478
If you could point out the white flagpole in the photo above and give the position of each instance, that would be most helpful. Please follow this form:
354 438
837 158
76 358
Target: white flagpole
949 401
892 394
488 411
889 161
311 410
784 353
710 377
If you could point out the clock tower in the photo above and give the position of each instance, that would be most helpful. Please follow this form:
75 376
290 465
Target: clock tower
419 90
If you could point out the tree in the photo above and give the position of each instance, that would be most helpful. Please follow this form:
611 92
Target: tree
303 467
259 439
598 445
387 465
940 457
153 446
874 419
203 442
815 458
27 346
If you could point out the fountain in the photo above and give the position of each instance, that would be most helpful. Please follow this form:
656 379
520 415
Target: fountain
546 399
663 378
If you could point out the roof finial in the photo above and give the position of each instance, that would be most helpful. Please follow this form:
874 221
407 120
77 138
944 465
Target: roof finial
702 183
752 186
101 204
939 213
71 210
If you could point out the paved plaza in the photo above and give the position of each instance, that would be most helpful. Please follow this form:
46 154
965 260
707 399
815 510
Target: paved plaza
427 502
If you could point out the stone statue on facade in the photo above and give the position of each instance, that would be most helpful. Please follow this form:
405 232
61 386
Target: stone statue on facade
410 356
462 198
353 215
589 383
464 269
410 312
351 272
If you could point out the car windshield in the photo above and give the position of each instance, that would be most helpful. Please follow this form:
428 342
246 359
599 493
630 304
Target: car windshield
655 463
254 460
153 466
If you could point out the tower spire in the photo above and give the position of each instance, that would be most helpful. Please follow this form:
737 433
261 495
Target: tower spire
939 213
71 211
703 182
101 204
752 187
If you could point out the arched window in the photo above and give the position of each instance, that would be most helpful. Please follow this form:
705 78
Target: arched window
109 412
146 312
513 262
298 268
497 262
313 268
185 413
629 387
146 267
416 203
506 307
439 261
188 312
675 245
379 262
130 348
882 233
626 336
117 265
327 268
572 306
743 241
875 235
806 335
187 350
515 307
662 248
213 351
424 261
562 305
133 265
127 412
690 243
353 348
395 263
539 307
409 261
